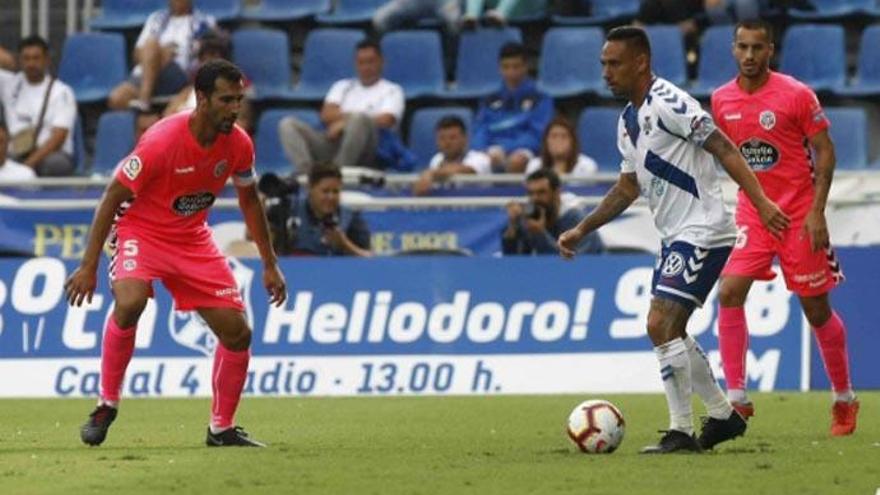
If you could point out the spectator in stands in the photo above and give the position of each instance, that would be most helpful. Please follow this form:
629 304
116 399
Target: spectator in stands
40 113
164 54
399 13
360 116
11 170
211 46
453 156
500 11
7 60
510 121
690 14
561 152
534 229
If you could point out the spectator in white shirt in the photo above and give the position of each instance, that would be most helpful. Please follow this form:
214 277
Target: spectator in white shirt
11 170
24 97
561 152
354 112
454 156
164 52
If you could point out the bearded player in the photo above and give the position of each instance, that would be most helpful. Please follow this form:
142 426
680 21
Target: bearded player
156 206
781 130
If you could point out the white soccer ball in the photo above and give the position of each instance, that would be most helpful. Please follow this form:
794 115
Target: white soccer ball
596 427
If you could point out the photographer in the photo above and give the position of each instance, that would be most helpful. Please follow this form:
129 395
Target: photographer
315 224
533 228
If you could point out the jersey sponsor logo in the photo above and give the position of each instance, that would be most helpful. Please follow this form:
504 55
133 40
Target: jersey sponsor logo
192 203
767 119
760 155
220 168
132 167
673 265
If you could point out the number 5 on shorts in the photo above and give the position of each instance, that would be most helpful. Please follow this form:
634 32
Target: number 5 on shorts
130 248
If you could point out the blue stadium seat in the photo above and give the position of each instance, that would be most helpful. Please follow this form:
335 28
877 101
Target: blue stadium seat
264 57
667 53
285 10
601 12
849 130
222 10
351 12
815 54
114 140
597 132
328 56
421 138
414 59
267 144
716 65
826 10
867 80
476 66
93 64
563 75
125 14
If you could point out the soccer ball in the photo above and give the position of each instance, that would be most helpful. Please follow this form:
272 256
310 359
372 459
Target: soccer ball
596 427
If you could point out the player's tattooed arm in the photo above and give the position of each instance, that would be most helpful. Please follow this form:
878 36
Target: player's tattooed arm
615 202
720 146
814 224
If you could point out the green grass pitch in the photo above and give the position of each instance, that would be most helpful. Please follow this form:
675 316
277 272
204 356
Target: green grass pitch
449 445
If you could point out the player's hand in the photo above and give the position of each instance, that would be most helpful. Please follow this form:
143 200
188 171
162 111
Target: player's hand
817 229
80 286
273 280
773 218
568 242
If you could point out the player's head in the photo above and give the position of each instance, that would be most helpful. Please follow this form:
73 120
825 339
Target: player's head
626 60
219 90
543 189
560 142
451 134
33 57
180 7
513 63
753 47
325 187
368 61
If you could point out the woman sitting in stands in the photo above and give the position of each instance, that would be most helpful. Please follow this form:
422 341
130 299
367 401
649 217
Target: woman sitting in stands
561 152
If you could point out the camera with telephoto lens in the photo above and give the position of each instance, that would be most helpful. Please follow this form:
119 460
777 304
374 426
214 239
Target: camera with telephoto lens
534 211
330 221
281 194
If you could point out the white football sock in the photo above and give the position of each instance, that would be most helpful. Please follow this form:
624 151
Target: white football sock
704 381
216 429
675 371
845 396
737 395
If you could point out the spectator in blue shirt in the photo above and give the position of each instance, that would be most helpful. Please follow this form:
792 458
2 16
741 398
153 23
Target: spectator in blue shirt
510 122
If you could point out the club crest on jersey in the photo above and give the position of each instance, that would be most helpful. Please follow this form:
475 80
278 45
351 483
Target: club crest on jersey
220 168
673 265
767 119
132 167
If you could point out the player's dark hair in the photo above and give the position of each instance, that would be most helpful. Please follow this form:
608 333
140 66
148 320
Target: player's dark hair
755 25
512 49
33 40
208 73
369 44
545 173
323 171
634 37
450 121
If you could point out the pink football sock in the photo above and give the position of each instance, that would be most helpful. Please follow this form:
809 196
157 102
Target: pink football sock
227 379
733 339
832 345
116 352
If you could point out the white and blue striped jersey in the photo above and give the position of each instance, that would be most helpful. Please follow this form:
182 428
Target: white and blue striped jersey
662 142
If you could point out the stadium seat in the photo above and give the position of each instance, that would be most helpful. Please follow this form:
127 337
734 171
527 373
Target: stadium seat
476 65
114 139
867 80
264 57
414 59
222 10
328 56
421 138
597 133
849 130
285 10
267 144
716 65
93 64
563 75
667 53
827 10
351 12
601 12
125 14
815 54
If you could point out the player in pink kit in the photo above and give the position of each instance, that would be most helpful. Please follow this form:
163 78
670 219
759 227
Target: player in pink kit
156 205
771 117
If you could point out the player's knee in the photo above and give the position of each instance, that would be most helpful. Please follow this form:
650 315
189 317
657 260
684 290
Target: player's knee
818 315
239 339
127 311
730 296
